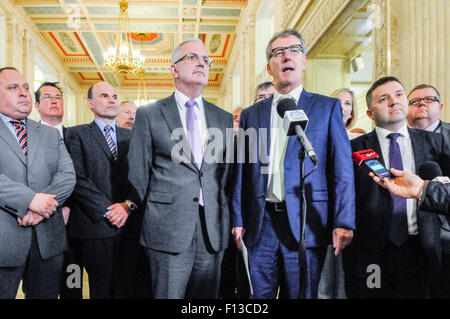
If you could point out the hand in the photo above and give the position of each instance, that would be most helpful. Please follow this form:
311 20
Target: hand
119 214
341 238
405 184
30 219
65 214
43 204
238 233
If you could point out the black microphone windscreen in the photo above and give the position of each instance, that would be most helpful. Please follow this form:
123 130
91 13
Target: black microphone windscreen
286 104
429 170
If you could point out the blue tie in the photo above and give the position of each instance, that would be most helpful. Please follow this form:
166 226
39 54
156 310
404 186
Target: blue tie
398 232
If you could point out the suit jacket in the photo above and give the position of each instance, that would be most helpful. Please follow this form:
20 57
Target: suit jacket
167 183
329 190
101 180
445 130
47 169
374 207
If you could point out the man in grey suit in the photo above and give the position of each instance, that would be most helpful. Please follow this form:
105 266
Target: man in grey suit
186 223
36 177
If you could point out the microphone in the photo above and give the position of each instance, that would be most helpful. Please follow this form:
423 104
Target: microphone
431 171
295 122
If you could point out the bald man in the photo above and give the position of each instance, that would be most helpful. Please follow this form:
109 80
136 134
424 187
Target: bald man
100 207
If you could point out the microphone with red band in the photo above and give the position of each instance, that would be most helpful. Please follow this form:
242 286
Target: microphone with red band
369 158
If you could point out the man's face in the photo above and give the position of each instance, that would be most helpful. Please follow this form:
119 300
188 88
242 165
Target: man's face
51 103
192 69
263 94
15 96
236 116
423 113
287 69
127 115
389 105
104 102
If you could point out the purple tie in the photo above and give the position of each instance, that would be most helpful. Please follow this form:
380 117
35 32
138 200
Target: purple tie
398 232
195 139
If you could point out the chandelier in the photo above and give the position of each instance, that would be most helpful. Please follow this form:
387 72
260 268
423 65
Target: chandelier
123 58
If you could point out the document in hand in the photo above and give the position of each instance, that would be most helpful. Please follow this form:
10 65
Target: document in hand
245 257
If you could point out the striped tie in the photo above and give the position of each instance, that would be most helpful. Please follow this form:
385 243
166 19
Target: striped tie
21 135
109 140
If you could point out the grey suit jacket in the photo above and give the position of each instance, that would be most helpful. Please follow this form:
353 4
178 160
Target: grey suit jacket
166 182
47 169
445 130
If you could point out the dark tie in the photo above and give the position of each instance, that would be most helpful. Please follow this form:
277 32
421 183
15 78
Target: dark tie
21 135
398 232
110 141
195 139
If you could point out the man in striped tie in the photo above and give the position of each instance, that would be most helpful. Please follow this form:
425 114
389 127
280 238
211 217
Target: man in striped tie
100 207
36 177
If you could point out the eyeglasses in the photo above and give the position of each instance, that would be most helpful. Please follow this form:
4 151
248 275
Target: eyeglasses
49 97
426 99
294 49
192 57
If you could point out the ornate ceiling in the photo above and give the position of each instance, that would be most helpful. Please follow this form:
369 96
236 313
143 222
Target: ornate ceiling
79 31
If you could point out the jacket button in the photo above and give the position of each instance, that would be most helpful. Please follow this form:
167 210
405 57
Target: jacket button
195 199
201 174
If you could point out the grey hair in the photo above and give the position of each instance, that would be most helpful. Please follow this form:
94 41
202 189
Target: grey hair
177 52
284 33
262 86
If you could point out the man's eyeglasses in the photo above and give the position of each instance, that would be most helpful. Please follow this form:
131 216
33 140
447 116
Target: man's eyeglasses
192 57
49 97
294 49
426 99
263 97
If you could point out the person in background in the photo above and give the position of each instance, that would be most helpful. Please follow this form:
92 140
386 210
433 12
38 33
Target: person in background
263 91
126 115
349 111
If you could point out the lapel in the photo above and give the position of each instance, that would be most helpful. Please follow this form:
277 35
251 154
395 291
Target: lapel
33 139
418 145
94 130
6 135
264 113
172 116
373 143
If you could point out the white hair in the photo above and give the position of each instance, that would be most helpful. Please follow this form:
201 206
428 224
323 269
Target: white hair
177 52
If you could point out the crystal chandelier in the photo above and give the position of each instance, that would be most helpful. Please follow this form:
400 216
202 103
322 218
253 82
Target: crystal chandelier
123 58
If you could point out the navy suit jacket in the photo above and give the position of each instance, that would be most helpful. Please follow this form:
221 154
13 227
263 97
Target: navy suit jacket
329 190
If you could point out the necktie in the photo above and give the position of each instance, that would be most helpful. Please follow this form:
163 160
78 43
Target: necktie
195 140
278 158
21 135
110 141
398 232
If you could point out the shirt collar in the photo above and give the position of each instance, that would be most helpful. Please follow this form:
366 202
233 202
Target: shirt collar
6 119
383 133
433 127
182 99
102 124
295 93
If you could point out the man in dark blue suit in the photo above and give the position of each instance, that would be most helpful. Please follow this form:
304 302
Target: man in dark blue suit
266 199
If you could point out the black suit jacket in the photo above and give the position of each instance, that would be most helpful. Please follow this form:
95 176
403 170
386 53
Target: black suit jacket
101 180
374 210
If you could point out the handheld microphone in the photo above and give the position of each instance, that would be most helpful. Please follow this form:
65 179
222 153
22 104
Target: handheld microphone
370 159
295 122
431 171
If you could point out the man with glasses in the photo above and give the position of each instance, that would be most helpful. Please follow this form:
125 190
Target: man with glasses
424 113
266 199
182 190
263 91
425 110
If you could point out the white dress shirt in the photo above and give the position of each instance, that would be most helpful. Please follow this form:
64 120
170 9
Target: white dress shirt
59 127
181 100
404 142
274 117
